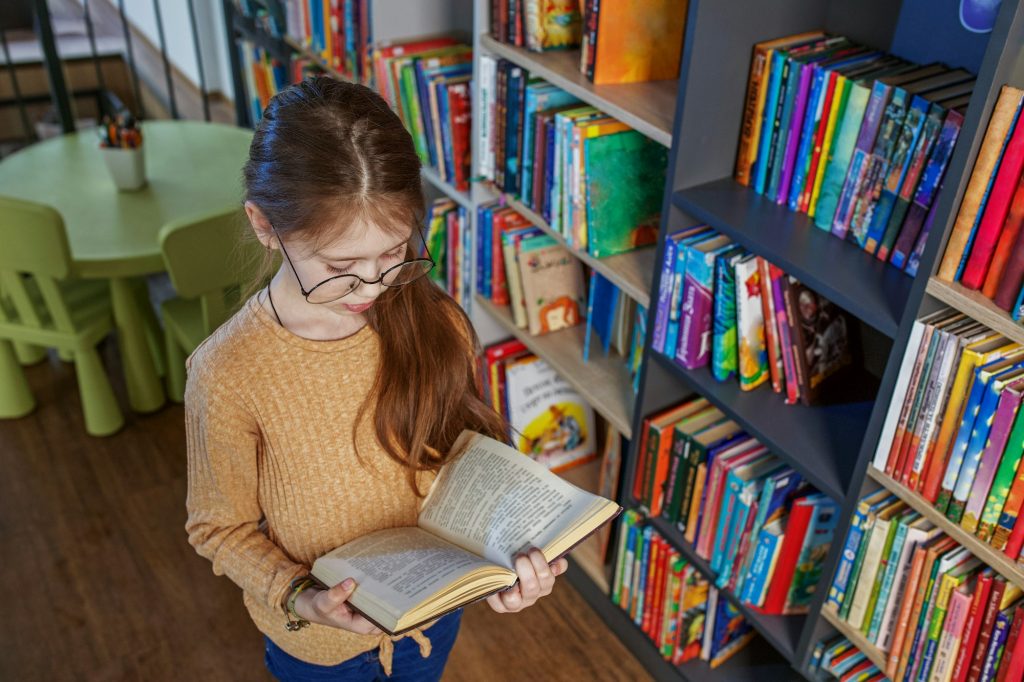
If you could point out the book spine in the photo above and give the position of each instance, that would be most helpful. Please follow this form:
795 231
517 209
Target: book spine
987 626
995 647
1004 461
675 308
1012 667
752 354
914 261
771 333
795 135
892 416
664 294
972 628
889 130
785 337
782 579
952 632
689 464
752 106
694 349
886 564
1003 116
773 112
881 612
693 518
643 570
808 132
868 570
620 558
676 471
958 451
973 457
837 592
1010 509
937 388
836 95
724 352
839 164
1006 275
996 209
756 582
906 598
859 160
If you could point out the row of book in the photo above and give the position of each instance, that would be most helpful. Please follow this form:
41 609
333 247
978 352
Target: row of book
671 600
954 432
448 238
931 607
339 32
986 250
857 139
763 531
722 306
265 75
549 420
840 659
594 180
619 42
428 82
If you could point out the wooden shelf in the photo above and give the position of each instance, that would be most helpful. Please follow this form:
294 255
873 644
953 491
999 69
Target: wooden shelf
604 382
994 558
874 654
821 443
647 107
632 272
588 554
434 178
974 304
783 632
850 277
756 662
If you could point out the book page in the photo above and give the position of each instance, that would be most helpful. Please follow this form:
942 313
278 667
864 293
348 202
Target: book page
497 502
397 568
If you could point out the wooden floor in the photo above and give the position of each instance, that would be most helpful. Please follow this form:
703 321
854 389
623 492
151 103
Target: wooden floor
99 582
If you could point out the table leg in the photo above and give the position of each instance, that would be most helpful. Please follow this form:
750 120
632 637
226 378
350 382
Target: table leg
145 392
29 354
154 332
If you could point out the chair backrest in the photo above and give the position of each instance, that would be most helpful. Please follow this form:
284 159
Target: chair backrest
207 259
34 254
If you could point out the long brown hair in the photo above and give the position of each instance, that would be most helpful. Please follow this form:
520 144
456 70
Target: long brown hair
326 152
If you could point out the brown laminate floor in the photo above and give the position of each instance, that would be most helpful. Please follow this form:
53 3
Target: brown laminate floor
99 582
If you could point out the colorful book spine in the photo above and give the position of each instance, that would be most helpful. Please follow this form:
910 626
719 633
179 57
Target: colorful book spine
859 160
842 152
752 353
991 459
724 350
694 348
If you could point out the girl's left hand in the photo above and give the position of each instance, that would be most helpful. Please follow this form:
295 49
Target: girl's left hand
536 579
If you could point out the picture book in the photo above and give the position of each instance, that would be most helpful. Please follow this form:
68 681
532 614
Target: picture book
638 41
750 325
820 332
552 281
694 347
408 576
724 352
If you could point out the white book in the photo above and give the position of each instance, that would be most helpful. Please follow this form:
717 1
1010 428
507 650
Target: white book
921 531
868 572
899 394
486 106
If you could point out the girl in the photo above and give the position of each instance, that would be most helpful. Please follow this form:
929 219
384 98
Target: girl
322 410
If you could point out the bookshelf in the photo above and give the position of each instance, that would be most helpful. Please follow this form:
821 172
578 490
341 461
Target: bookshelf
699 117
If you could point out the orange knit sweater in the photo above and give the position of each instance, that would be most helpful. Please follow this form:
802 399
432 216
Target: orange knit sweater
273 481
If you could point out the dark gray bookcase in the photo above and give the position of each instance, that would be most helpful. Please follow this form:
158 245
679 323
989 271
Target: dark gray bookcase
699 118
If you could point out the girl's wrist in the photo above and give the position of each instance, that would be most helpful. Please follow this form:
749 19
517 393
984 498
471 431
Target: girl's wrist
304 604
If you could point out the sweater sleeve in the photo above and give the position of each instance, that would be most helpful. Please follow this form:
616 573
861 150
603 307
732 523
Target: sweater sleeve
224 514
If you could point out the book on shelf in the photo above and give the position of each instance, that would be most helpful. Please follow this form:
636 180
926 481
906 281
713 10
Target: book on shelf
409 576
675 605
721 306
632 42
537 25
448 238
841 659
857 139
929 606
596 182
338 34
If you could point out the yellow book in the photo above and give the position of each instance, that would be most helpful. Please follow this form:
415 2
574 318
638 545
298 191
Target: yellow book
330 27
826 145
471 526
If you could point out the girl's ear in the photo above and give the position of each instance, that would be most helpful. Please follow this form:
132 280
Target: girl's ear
260 225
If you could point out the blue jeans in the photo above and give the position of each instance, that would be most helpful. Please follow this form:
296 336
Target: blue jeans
407 665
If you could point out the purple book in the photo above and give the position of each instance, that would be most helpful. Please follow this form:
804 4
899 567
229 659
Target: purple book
859 162
664 292
694 348
927 189
793 139
1002 422
922 240
996 645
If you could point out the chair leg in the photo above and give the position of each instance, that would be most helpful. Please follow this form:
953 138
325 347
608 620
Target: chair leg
175 367
99 406
16 399
29 354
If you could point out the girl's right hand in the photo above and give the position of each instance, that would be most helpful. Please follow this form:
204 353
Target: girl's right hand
329 607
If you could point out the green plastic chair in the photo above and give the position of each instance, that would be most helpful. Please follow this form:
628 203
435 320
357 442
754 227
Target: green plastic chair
42 305
207 267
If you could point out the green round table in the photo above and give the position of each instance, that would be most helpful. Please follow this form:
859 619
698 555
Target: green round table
192 168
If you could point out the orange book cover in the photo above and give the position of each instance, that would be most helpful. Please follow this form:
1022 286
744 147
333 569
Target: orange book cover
639 40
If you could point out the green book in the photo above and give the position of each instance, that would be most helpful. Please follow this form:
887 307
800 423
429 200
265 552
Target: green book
685 459
898 528
892 563
629 518
1004 478
858 563
842 151
947 584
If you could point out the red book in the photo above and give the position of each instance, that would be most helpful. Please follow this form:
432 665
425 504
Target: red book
987 625
1009 281
1013 545
650 589
819 141
641 463
856 671
996 208
660 579
796 528
458 95
972 628
1011 667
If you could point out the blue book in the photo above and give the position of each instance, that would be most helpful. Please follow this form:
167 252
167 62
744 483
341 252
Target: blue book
984 198
866 507
602 302
760 170
487 236
749 492
997 644
675 309
769 543
645 555
664 290
539 97
812 117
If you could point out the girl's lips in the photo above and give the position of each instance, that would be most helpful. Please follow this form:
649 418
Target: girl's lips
361 308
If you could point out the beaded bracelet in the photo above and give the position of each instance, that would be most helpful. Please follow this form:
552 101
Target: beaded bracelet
297 586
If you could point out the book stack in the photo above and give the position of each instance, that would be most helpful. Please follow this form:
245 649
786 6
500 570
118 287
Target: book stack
339 33
840 659
931 607
763 531
594 180
265 76
632 42
448 237
427 81
549 420
671 601
985 251
954 432
537 25
722 306
857 139
521 266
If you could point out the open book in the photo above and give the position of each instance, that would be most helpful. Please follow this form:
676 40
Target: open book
485 507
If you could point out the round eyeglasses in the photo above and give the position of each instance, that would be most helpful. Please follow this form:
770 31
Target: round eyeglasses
339 286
